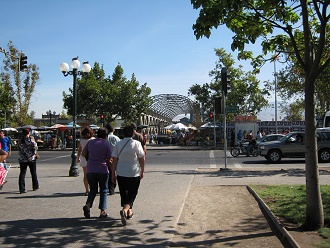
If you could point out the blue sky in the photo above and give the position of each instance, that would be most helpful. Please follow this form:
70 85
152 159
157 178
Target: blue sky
151 38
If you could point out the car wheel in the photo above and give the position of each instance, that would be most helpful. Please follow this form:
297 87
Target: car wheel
234 152
324 155
274 156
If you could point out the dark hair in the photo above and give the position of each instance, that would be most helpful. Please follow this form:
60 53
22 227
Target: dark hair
128 131
25 132
133 126
109 127
87 133
102 133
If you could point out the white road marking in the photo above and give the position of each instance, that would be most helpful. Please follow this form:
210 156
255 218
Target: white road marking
233 161
54 158
212 160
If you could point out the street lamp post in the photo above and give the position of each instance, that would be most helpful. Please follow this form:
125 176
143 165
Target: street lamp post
50 118
86 68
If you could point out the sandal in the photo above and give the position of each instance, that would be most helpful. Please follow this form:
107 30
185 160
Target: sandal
129 214
123 217
87 212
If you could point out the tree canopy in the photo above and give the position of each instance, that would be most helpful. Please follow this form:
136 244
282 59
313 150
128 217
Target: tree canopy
244 87
299 28
109 96
18 87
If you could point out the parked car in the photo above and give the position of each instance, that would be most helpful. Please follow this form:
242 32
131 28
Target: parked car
293 146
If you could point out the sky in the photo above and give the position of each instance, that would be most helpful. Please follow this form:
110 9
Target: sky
153 39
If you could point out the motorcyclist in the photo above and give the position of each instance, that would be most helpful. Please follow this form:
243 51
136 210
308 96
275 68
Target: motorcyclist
252 142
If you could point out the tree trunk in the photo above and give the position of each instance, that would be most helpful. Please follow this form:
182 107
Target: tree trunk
314 207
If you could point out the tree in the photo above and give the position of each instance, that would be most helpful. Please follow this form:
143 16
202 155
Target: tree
244 87
20 86
293 111
112 96
298 24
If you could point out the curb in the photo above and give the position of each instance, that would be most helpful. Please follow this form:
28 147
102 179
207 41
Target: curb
285 234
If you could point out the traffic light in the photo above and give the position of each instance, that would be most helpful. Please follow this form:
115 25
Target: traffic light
102 118
22 62
210 116
217 105
224 80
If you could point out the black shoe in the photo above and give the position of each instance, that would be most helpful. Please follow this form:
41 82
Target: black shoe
123 217
87 212
23 192
35 189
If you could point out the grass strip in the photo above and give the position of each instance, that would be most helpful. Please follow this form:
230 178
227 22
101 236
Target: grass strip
289 202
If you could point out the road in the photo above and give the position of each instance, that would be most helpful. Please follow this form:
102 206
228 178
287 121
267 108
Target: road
178 160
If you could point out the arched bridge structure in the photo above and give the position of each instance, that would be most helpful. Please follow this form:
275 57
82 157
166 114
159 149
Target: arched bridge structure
165 107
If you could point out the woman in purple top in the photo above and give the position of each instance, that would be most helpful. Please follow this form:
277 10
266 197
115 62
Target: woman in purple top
98 154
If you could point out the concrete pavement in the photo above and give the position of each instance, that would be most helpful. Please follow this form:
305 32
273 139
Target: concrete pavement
203 208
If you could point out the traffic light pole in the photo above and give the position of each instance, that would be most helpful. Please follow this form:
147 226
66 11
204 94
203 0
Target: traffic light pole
224 82
214 132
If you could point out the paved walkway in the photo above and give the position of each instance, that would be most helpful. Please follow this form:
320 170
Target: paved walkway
204 208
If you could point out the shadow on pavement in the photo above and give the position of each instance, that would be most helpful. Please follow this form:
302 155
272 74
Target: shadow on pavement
78 232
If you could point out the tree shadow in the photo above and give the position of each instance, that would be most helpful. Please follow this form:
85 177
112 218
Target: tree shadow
79 232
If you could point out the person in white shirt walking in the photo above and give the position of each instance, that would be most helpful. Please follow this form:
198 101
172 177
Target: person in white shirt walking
128 170
112 139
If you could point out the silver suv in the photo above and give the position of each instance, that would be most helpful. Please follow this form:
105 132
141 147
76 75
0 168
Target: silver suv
292 145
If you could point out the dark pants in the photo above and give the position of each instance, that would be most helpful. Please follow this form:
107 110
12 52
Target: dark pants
33 170
128 188
111 185
96 180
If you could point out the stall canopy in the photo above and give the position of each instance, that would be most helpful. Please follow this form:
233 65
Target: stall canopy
58 126
10 129
208 125
177 126
27 127
70 125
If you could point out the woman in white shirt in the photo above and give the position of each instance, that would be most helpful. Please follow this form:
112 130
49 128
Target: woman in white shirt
128 170
86 134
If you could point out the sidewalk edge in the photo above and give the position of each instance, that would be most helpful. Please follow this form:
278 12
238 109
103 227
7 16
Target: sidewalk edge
276 222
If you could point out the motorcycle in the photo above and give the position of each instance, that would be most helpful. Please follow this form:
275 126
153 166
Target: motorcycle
241 149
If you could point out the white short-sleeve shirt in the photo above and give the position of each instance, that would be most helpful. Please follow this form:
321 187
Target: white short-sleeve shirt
128 160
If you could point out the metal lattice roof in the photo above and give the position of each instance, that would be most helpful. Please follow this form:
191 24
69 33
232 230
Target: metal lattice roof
172 105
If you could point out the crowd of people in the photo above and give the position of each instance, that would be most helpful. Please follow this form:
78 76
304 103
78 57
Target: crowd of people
106 161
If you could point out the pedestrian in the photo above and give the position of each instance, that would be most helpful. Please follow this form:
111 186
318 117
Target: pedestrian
239 136
27 148
112 139
5 143
3 156
98 152
86 134
128 170
259 135
232 138
139 137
